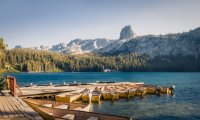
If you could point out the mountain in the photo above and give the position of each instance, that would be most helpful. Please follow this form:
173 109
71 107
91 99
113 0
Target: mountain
79 46
127 33
170 52
59 47
184 44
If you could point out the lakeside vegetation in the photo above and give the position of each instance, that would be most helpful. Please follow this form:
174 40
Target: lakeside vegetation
2 55
2 61
29 60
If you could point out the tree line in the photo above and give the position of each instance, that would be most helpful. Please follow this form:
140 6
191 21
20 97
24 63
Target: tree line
29 60
2 55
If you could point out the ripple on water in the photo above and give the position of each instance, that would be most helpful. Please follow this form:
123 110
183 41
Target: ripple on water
183 105
149 108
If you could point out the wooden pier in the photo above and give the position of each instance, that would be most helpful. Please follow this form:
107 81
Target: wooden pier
14 108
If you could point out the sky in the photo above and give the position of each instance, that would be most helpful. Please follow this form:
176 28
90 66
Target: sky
31 23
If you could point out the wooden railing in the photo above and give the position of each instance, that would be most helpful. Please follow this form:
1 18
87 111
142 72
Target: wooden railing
12 85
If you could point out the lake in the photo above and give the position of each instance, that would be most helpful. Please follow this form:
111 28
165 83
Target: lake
184 104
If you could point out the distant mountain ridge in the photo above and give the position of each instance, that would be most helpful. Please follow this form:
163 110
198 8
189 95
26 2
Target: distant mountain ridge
187 43
127 33
129 53
184 44
77 46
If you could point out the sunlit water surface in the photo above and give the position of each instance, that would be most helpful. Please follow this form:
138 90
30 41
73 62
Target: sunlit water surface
185 104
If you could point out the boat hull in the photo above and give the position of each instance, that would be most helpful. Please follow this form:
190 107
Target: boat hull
150 90
85 98
107 96
165 90
115 96
78 115
123 94
132 94
45 115
96 98
68 99
140 93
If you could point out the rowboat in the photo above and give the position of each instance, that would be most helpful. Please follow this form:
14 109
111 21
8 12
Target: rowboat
109 93
34 103
60 114
115 95
122 93
165 90
131 92
106 93
150 89
69 96
86 96
141 91
96 94
126 90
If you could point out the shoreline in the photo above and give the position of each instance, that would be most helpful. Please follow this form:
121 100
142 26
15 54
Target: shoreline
106 72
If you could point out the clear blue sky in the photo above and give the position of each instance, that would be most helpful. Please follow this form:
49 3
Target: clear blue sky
34 22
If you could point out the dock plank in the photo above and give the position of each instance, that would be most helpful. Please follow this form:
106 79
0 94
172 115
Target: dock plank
20 107
3 111
12 111
29 110
14 108
6 110
1 114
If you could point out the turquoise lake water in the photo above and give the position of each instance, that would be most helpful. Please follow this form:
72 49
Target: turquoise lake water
184 104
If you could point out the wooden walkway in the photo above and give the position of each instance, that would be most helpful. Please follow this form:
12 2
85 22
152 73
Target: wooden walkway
14 108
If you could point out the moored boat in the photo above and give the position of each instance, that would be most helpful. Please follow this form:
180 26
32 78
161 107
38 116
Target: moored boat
69 96
86 96
131 92
122 93
165 90
106 93
96 94
141 91
34 103
109 93
115 95
58 114
96 97
150 89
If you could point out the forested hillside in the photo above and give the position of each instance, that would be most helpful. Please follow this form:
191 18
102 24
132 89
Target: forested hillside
27 60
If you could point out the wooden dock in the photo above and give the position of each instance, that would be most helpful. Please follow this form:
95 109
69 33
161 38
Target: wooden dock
14 108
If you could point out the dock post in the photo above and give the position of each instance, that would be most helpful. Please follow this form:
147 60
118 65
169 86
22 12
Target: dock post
11 85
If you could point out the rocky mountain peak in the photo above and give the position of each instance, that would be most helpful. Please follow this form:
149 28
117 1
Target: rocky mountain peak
127 33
